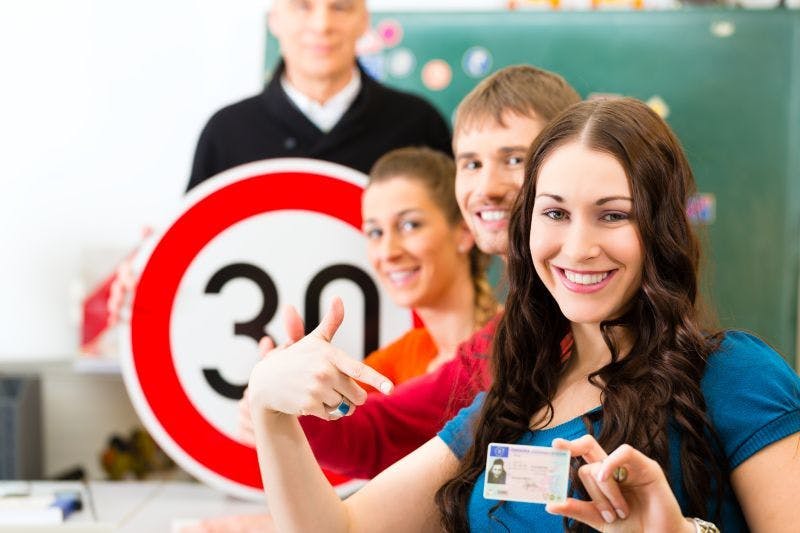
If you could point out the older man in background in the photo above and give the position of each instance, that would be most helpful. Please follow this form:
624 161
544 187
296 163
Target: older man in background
319 103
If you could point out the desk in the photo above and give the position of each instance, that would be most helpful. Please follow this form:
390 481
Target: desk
137 506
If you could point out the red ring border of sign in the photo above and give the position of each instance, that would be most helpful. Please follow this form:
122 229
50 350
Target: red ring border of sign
150 374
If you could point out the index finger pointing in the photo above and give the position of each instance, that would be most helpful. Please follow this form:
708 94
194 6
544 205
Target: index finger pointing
361 372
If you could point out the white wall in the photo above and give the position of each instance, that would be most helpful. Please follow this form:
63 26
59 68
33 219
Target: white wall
80 412
100 107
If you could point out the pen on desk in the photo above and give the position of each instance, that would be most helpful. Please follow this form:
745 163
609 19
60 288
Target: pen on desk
87 489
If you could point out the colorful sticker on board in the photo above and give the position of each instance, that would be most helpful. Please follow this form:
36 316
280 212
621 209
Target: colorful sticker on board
723 28
702 208
533 4
370 43
375 65
401 62
477 62
390 31
617 4
658 105
245 243
436 74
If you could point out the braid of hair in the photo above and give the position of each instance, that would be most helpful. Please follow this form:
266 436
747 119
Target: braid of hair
485 302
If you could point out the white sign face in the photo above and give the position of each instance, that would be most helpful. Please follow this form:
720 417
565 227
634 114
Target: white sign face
247 242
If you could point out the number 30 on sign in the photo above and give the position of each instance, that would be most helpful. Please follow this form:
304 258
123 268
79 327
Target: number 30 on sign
245 243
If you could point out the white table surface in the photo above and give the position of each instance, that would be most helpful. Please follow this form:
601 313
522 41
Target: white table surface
138 506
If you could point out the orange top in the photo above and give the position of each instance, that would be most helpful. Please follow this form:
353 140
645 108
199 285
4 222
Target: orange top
405 358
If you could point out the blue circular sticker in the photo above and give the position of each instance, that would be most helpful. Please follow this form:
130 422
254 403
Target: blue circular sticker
476 62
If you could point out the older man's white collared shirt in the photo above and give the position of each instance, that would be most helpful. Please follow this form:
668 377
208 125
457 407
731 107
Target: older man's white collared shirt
324 116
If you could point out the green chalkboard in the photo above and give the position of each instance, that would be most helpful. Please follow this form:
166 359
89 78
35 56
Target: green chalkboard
731 81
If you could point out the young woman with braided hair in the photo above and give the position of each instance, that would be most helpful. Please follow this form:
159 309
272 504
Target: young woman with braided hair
425 257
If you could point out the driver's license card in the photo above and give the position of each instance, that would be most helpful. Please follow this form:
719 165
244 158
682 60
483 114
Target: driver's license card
535 474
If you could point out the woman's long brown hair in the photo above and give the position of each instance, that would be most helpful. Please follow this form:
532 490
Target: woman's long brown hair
657 385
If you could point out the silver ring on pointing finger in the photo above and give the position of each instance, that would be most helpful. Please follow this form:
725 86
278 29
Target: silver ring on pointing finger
340 410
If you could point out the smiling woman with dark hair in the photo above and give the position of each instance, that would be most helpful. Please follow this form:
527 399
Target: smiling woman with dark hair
664 418
601 250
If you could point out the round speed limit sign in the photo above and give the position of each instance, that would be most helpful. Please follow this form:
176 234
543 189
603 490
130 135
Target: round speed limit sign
246 243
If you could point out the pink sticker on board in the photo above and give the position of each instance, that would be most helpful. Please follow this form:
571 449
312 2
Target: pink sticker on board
702 208
437 74
390 31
